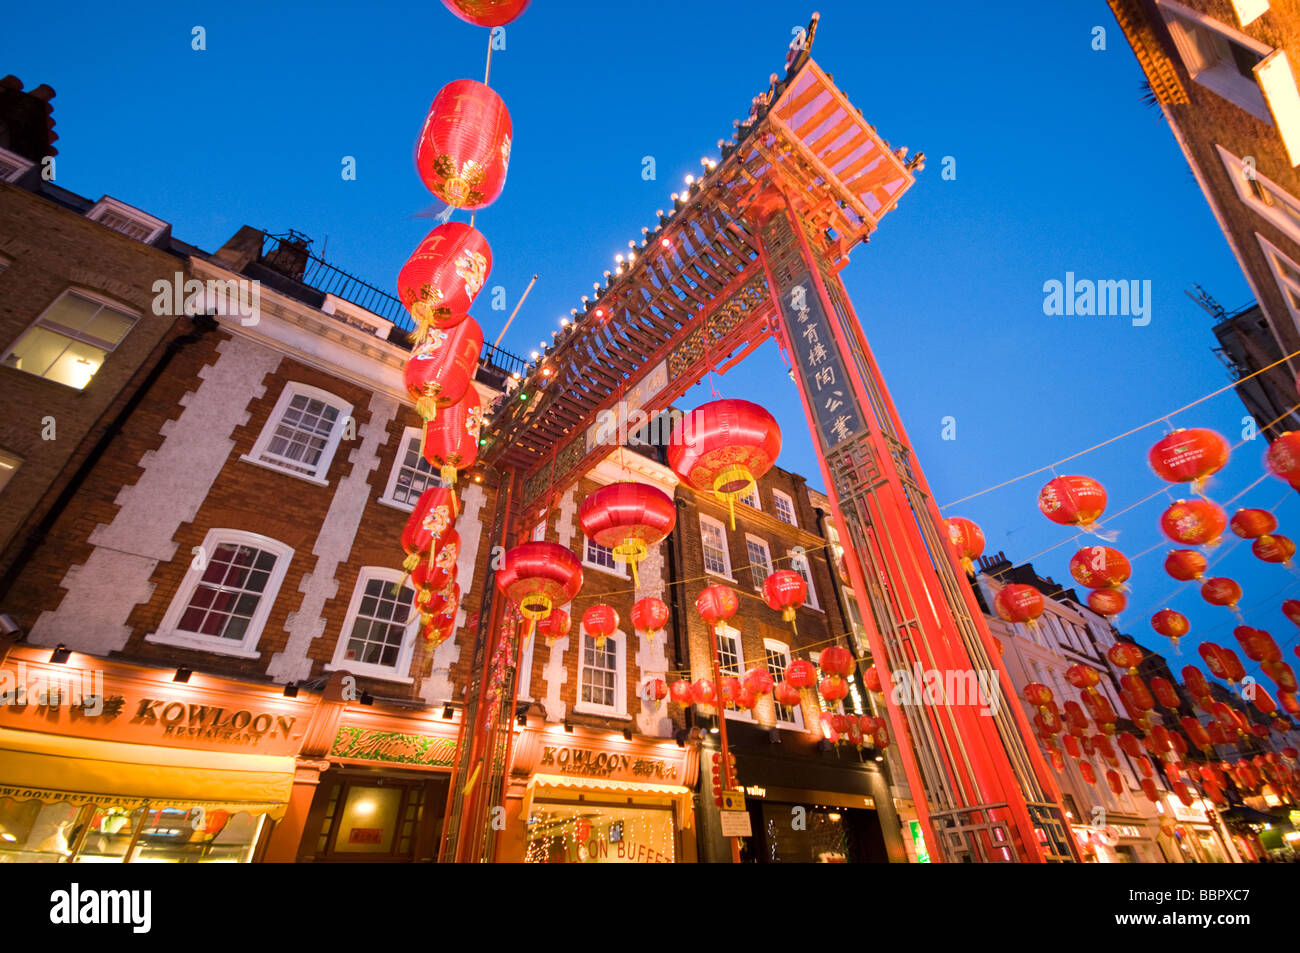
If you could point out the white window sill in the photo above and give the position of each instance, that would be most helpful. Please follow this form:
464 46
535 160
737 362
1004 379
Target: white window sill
202 644
730 579
393 504
368 670
586 708
274 468
605 569
736 715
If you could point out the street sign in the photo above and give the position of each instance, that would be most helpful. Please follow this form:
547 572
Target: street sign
733 801
736 824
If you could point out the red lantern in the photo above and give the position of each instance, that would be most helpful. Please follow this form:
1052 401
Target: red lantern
650 615
451 439
1283 457
1290 704
464 148
1125 655
703 692
434 574
444 274
600 622
1185 564
1189 456
1252 524
628 518
717 603
681 692
1037 694
836 661
1221 591
441 367
833 689
1100 708
1087 773
801 673
1194 522
428 525
1262 699
1100 567
725 446
1083 677
1173 625
1291 609
654 690
1115 782
729 689
1073 501
1149 786
489 13
828 727
1274 549
1195 681
785 590
1165 692
853 731
881 735
1281 673
759 681
787 695
1138 693
1107 602
1048 722
555 626
1072 746
1018 603
871 679
1129 744
539 577
1196 731
967 539
1257 644
1215 659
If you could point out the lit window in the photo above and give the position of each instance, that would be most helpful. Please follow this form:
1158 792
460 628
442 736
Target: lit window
601 557
713 541
224 599
601 687
1262 194
760 560
70 341
412 474
778 658
376 638
784 507
9 464
799 563
1218 57
302 432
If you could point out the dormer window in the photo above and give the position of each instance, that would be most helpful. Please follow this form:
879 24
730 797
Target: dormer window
131 222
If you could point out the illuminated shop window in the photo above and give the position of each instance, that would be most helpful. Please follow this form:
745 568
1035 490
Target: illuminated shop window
572 833
71 339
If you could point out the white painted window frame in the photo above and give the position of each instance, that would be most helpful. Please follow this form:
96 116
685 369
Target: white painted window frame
40 322
167 633
811 602
388 498
1267 209
1223 80
619 708
619 569
776 509
130 213
726 631
401 668
767 553
291 390
726 550
9 464
776 645
1284 283
20 163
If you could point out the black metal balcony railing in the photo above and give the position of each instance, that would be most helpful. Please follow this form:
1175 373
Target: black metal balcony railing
291 254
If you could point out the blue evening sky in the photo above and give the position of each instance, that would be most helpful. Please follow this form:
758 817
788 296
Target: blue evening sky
1060 167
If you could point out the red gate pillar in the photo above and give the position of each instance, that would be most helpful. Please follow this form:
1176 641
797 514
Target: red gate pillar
984 792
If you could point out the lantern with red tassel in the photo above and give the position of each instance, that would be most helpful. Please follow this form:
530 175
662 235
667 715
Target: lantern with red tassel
464 147
442 277
1018 603
451 439
1100 567
554 626
1194 522
628 518
967 539
724 446
1252 524
441 367
539 577
1107 602
489 13
650 615
1221 591
1189 456
1172 625
785 590
1185 564
1274 549
600 622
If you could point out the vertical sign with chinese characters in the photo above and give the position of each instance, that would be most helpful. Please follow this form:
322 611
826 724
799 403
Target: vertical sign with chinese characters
825 380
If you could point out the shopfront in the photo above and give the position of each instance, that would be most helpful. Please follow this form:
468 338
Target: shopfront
1122 841
1197 833
103 762
591 796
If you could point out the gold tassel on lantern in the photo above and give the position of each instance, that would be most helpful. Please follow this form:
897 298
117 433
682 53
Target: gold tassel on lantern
788 615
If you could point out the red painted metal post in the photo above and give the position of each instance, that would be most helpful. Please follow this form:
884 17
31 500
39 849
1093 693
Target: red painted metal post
725 773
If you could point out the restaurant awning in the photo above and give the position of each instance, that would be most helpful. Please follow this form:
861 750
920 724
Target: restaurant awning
59 767
681 795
